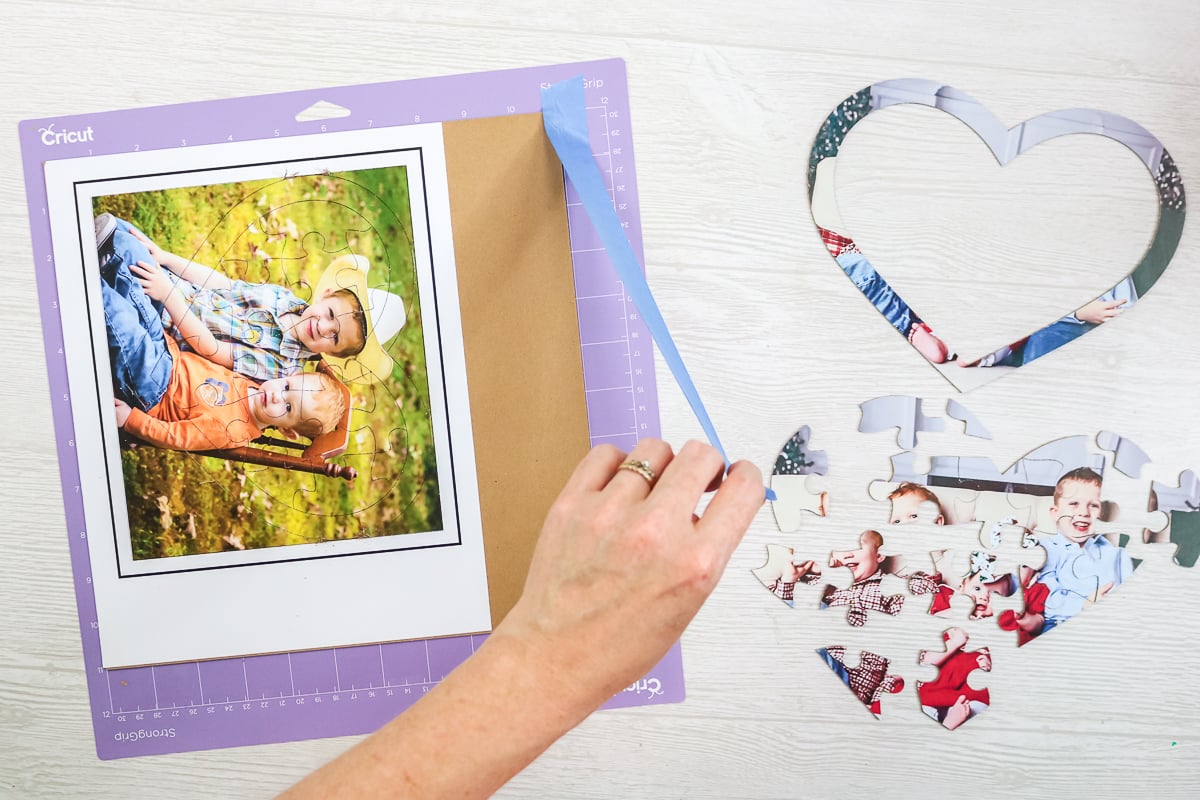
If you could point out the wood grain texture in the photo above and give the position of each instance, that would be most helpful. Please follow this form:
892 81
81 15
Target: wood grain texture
726 99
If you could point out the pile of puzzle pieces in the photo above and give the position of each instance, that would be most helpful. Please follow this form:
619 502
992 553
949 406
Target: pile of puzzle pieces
989 552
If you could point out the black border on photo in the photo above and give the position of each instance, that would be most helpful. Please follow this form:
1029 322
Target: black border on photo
398 538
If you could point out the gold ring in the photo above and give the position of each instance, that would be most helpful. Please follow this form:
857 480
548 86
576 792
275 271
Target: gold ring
641 467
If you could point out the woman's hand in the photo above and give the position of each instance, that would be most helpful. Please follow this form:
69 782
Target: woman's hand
621 567
623 564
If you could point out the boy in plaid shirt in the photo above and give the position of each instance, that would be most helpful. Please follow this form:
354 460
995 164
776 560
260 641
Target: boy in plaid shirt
866 592
264 331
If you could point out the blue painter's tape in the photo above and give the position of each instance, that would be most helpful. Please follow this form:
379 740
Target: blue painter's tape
565 116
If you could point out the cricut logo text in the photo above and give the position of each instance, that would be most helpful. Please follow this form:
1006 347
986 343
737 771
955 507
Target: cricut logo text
52 137
651 686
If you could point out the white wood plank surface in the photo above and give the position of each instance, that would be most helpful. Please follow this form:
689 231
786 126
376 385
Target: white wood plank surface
726 99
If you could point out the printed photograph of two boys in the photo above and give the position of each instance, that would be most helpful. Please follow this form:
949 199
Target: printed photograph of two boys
268 361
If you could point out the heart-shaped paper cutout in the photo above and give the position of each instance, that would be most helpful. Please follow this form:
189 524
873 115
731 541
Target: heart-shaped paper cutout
1006 144
1043 523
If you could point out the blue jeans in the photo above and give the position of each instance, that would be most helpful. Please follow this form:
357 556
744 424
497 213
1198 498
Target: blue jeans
877 290
137 350
1052 337
838 667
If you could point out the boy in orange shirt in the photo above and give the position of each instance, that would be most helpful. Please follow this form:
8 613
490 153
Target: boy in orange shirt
182 401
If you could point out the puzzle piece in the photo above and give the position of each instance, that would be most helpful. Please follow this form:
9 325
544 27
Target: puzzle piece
783 570
902 412
936 583
972 488
910 466
796 495
1000 510
910 502
1123 515
1029 621
1072 578
866 592
797 458
950 699
795 484
870 680
1044 465
983 579
1185 496
1127 456
1091 577
1185 534
976 575
1014 546
1181 503
971 424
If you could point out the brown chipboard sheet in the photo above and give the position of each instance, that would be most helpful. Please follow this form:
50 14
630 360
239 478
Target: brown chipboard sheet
520 333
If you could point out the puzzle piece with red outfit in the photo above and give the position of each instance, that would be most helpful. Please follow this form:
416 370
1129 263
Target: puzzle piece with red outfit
950 699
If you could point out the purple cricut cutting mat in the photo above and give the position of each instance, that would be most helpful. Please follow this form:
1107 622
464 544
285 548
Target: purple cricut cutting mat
347 690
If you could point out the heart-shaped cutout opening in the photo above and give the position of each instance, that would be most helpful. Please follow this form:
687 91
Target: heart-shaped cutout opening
983 260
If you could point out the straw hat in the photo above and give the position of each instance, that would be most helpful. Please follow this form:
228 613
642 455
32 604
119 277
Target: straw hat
384 318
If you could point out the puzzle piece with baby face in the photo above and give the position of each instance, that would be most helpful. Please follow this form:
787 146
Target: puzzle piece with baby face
910 502
870 570
950 699
870 680
976 582
976 576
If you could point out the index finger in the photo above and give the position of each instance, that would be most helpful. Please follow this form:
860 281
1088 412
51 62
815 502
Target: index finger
734 505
